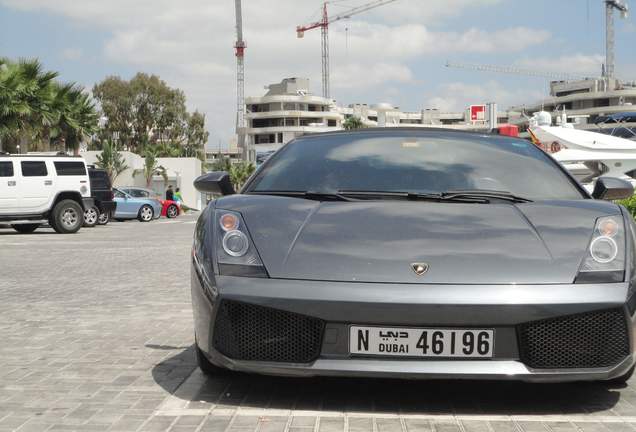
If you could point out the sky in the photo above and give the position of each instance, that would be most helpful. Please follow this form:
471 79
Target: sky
395 53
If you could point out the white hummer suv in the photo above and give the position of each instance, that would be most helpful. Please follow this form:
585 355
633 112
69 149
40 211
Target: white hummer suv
37 189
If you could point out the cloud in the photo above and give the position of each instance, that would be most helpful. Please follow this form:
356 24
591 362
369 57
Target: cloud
578 64
457 96
71 54
189 44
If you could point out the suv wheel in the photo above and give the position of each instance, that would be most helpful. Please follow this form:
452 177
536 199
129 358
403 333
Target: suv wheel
146 213
104 218
25 228
68 217
172 211
91 215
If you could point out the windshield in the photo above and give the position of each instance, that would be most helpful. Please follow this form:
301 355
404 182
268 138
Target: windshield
413 162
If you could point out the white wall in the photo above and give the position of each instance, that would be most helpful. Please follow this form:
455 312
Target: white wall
181 174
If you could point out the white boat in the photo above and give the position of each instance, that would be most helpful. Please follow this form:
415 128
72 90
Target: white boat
587 155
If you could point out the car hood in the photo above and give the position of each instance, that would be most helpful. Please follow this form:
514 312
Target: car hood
378 241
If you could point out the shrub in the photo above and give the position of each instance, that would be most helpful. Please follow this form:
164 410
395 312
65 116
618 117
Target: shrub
630 204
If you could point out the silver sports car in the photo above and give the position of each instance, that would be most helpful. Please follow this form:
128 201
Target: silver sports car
415 253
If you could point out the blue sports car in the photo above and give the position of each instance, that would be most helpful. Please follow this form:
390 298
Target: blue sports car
130 207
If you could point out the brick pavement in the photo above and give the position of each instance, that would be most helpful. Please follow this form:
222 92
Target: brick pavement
96 335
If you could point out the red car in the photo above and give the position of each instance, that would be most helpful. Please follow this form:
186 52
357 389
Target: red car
170 209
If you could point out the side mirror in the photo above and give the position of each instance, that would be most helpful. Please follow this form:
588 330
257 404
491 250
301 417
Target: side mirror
612 188
217 182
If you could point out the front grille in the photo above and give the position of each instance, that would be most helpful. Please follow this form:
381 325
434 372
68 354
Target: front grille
587 340
248 332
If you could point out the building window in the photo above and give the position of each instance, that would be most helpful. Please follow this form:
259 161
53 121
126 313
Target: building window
332 123
601 102
280 137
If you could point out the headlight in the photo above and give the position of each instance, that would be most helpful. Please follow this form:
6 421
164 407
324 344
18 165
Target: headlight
235 251
235 243
605 257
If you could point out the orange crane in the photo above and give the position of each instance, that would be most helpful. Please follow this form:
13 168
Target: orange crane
323 24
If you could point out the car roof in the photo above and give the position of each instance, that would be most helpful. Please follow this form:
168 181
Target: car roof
40 156
137 188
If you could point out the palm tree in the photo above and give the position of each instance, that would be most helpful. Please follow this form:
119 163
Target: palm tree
25 96
151 167
34 108
352 123
240 172
221 163
168 149
78 120
111 160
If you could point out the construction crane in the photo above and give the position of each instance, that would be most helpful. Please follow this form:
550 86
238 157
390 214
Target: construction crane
239 51
515 71
610 5
323 24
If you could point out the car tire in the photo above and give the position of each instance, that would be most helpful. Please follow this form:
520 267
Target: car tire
91 216
172 211
204 364
25 228
622 380
68 217
146 213
104 218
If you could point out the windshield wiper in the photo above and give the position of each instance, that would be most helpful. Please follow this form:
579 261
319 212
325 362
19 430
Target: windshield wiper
410 196
483 194
310 195
478 196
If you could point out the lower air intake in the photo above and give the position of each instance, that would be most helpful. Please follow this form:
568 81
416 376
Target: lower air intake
588 340
248 332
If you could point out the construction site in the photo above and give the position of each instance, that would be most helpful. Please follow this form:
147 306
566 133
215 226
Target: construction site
291 108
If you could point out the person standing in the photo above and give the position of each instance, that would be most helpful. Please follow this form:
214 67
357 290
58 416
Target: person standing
177 195
169 193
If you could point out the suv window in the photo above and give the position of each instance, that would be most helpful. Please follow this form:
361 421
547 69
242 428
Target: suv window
70 168
99 180
34 169
6 169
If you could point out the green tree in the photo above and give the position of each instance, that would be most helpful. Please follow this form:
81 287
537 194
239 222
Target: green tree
221 163
143 111
36 110
196 136
352 123
111 160
151 167
240 172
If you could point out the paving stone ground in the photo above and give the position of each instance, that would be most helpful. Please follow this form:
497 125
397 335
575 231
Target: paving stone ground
96 335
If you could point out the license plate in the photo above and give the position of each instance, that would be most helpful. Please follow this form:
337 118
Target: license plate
421 342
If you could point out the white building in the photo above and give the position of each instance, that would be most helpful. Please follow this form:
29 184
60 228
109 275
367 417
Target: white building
588 100
289 110
181 174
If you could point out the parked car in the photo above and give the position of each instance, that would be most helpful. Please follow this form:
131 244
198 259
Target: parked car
130 207
404 252
102 193
40 189
169 208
